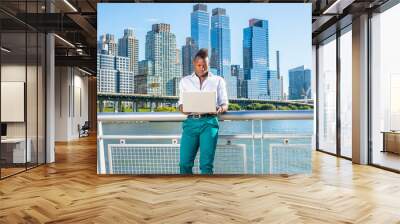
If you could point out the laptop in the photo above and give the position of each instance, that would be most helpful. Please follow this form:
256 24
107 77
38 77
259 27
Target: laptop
199 102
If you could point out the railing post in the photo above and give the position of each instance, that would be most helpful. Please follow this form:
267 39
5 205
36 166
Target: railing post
120 106
252 141
134 106
116 106
102 168
262 146
101 106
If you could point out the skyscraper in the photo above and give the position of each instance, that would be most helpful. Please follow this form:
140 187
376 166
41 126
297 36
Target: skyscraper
161 50
188 52
278 71
146 82
274 84
221 49
256 58
128 46
220 42
101 45
107 44
178 64
237 72
107 80
113 74
200 26
125 76
299 83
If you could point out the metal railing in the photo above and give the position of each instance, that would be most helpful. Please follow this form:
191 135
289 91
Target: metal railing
252 116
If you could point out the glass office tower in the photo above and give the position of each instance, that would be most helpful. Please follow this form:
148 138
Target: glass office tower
188 52
256 58
274 85
299 83
200 26
237 72
220 61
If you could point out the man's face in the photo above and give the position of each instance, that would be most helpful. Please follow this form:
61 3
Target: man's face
200 66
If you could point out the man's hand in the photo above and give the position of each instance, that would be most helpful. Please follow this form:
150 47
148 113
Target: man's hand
222 109
181 110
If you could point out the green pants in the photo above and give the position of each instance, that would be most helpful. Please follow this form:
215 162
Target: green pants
201 132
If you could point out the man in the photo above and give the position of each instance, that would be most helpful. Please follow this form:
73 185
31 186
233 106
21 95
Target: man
201 129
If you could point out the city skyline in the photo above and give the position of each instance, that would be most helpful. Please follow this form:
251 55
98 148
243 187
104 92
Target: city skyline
293 53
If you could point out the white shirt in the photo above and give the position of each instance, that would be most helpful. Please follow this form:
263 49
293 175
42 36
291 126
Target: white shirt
213 83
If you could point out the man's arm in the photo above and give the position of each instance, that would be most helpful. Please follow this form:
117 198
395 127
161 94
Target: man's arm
222 109
222 97
180 103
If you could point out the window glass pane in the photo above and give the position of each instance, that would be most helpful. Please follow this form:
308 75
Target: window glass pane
386 88
13 85
41 98
327 96
346 93
31 97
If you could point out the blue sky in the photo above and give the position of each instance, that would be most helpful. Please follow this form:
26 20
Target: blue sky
289 26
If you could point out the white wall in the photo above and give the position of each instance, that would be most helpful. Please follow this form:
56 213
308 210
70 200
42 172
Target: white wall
71 87
33 127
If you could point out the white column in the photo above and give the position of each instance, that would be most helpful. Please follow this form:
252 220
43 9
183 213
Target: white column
50 100
360 90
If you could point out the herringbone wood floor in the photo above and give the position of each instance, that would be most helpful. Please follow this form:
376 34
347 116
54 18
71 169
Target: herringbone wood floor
69 191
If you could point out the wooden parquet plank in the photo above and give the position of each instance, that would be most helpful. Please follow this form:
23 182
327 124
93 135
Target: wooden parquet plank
70 191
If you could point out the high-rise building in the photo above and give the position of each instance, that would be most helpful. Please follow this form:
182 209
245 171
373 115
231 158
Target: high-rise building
299 83
114 75
274 84
189 50
146 82
220 61
107 45
274 77
178 64
128 46
237 72
256 58
161 50
176 81
220 42
101 45
107 80
125 76
200 26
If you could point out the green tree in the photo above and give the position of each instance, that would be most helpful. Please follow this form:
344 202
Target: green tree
144 110
165 109
108 109
253 106
126 108
283 108
267 106
234 106
305 107
292 107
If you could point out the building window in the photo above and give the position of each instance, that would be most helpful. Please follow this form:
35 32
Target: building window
385 88
327 95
